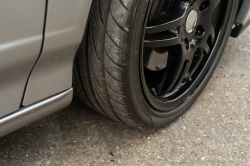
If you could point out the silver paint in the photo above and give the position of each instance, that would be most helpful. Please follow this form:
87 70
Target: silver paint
35 112
65 25
191 21
244 13
21 33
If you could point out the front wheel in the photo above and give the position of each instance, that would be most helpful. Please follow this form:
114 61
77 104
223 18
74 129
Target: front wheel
145 62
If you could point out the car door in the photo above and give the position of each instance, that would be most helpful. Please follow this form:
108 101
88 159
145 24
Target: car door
21 37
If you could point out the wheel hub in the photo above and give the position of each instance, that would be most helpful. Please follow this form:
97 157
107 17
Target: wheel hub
191 21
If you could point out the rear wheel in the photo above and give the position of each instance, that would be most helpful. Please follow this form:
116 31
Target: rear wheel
145 62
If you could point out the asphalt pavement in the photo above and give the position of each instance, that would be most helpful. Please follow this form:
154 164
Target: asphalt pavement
215 130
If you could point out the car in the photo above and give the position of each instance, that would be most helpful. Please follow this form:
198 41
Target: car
140 62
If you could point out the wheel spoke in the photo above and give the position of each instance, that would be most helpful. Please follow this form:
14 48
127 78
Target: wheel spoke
214 4
157 90
207 14
212 33
184 65
209 29
175 71
162 39
205 47
170 19
172 66
197 64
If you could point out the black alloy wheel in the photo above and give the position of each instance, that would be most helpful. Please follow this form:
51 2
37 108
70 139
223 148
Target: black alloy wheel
177 48
145 62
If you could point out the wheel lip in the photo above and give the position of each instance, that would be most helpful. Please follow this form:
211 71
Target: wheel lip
154 107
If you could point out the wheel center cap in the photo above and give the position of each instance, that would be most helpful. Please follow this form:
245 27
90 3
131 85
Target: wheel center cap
191 21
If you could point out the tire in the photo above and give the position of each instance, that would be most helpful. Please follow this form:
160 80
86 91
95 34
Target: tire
108 64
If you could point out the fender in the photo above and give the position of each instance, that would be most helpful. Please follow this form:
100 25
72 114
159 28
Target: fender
65 25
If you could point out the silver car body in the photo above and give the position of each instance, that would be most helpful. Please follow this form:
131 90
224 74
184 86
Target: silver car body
38 43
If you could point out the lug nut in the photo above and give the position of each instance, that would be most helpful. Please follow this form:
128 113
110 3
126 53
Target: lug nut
200 31
204 5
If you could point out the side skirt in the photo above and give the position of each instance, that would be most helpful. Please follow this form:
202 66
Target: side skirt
34 112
